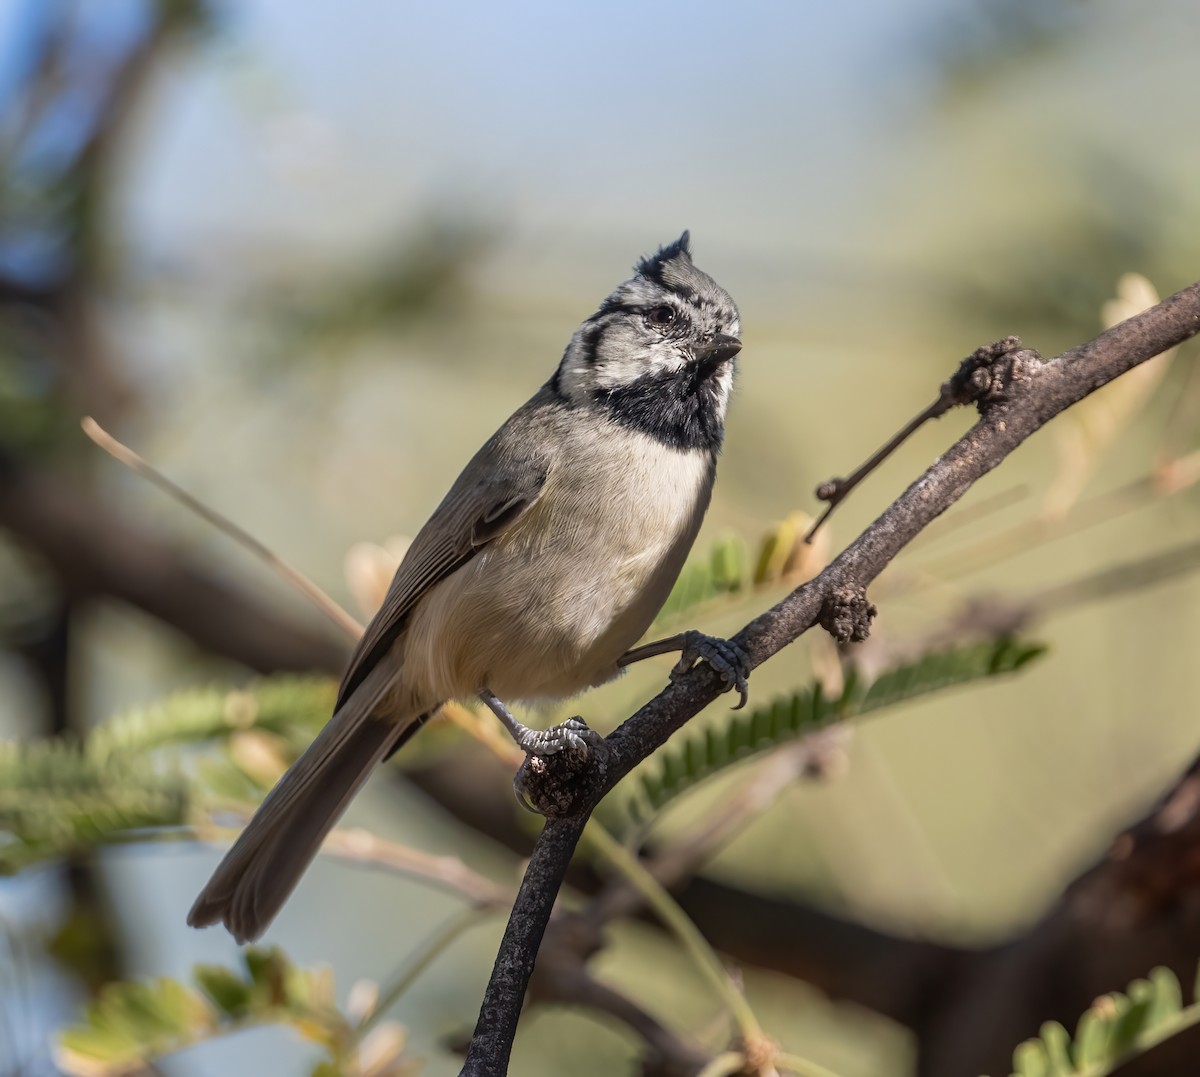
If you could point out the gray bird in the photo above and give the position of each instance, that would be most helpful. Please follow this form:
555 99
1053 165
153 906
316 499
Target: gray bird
546 561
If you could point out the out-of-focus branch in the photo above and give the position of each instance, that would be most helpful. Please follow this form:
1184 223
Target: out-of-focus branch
1016 396
955 390
92 553
562 977
357 846
295 579
1135 908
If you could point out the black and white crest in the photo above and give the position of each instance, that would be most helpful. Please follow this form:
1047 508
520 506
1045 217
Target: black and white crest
658 355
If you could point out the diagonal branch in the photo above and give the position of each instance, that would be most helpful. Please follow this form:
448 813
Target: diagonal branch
92 552
1018 397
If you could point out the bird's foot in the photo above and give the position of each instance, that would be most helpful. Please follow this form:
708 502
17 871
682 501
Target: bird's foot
557 761
573 734
725 656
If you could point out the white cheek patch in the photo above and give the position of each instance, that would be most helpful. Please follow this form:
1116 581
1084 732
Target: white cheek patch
617 371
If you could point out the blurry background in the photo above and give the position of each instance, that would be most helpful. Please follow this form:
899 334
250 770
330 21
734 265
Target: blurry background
306 257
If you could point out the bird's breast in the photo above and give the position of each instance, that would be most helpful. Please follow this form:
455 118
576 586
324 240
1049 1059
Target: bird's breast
547 608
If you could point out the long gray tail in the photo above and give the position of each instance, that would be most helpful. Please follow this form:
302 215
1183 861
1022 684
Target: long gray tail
259 873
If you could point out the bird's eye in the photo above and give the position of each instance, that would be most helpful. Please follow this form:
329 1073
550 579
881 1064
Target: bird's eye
661 316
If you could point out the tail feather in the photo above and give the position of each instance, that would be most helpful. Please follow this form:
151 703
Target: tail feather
258 874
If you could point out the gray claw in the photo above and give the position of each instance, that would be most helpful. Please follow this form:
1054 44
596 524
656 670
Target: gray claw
574 733
545 788
725 656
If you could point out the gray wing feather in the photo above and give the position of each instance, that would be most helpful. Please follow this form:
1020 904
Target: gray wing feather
495 490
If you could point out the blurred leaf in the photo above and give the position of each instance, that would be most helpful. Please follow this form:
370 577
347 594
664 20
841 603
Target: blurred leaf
730 569
977 45
1117 1028
420 275
680 765
228 991
55 798
285 705
59 796
133 1023
1088 429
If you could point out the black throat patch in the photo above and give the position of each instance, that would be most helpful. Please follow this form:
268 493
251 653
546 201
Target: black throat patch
679 408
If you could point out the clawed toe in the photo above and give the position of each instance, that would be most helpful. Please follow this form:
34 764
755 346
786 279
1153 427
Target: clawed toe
550 788
726 657
574 734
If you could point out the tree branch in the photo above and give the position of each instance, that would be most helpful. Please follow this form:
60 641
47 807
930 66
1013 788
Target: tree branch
1016 398
492 1040
92 553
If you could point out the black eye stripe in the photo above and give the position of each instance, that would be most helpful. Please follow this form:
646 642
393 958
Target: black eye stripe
590 339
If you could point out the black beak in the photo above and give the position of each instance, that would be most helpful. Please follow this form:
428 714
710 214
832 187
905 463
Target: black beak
718 350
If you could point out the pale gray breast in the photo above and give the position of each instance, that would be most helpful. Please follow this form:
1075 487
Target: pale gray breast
548 607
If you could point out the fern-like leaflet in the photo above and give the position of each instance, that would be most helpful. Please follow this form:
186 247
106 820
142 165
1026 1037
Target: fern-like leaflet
680 766
1117 1028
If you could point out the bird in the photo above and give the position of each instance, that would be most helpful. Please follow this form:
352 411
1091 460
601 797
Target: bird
544 564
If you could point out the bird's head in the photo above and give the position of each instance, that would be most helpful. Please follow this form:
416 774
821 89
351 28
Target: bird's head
658 355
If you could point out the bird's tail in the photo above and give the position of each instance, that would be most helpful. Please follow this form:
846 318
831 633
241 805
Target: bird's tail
254 880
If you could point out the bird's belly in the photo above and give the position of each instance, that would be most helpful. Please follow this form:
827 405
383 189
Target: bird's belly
537 618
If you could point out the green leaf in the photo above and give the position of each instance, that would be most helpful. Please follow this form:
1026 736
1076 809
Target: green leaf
1057 1042
1029 1060
1168 996
133 1023
59 796
1114 1030
1131 1018
56 798
730 568
285 704
682 764
228 991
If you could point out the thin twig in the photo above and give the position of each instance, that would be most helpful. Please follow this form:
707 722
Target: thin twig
804 1067
726 1065
836 490
676 920
297 579
972 382
1030 533
1117 579
453 711
568 981
355 846
429 952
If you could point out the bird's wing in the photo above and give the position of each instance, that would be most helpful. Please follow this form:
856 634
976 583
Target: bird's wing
494 491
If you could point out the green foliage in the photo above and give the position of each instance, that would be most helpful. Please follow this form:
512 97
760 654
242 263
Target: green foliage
132 1023
724 571
1117 1028
731 568
284 705
55 797
682 765
58 796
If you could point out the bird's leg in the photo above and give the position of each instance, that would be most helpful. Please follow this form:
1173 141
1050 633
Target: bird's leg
725 656
573 733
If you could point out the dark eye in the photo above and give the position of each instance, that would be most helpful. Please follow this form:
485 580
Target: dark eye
661 316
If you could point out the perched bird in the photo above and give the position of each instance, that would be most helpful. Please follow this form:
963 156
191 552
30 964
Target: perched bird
543 565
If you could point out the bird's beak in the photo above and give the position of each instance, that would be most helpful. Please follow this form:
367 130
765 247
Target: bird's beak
721 348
